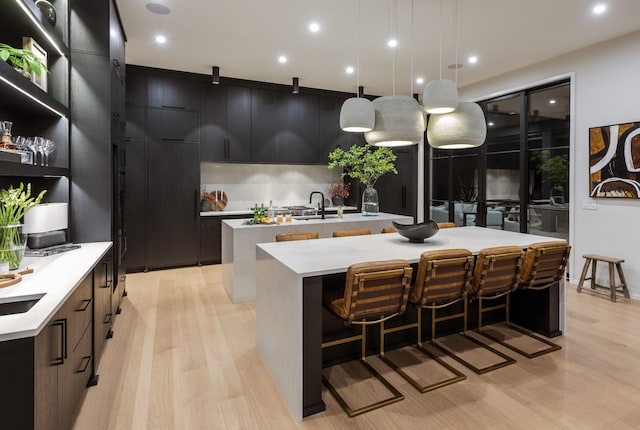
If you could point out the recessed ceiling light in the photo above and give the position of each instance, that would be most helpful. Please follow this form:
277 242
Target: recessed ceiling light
419 81
161 39
282 59
473 59
392 43
552 102
349 70
314 27
598 9
158 8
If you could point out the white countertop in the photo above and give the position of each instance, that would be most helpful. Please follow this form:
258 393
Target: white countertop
54 278
300 223
331 209
334 255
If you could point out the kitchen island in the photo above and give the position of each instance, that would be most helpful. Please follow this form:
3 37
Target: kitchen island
289 297
239 244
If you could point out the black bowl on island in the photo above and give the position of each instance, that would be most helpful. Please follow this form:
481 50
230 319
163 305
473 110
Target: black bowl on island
417 233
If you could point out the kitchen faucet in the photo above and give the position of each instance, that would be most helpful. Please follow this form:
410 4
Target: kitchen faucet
322 200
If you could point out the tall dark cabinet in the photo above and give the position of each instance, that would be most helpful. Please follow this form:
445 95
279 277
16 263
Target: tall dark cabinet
398 194
162 184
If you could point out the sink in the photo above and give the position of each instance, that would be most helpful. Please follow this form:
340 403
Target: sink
18 305
308 217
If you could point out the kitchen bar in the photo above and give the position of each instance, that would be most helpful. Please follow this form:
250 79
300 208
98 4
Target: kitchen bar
289 297
239 242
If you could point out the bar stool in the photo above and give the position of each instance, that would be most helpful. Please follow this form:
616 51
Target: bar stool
544 266
351 232
442 280
496 274
374 293
388 229
613 288
297 235
446 225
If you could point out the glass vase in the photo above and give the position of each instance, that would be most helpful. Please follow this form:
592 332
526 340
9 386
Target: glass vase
13 240
370 201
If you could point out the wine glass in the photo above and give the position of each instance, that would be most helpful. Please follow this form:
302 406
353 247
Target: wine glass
49 147
30 142
39 147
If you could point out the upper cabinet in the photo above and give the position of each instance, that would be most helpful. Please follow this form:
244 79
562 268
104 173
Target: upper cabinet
173 93
37 106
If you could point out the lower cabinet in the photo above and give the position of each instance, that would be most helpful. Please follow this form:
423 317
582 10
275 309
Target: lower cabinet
45 376
211 238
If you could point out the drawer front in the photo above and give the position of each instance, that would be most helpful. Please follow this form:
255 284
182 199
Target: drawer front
78 311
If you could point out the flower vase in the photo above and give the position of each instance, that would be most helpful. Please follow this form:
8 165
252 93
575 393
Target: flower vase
13 240
337 201
370 201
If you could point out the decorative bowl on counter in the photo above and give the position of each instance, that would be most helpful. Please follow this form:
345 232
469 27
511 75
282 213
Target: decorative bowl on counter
417 233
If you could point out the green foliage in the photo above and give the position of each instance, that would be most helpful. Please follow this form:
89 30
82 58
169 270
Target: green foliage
19 57
15 202
364 163
556 168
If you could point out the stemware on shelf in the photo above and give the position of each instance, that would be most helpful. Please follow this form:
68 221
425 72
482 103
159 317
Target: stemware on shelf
49 148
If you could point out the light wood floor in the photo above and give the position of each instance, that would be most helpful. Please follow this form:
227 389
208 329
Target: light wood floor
183 357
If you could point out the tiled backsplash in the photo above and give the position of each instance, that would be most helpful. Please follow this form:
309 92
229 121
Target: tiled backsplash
248 184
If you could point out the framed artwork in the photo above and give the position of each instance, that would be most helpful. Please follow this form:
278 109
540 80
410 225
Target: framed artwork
614 160
41 54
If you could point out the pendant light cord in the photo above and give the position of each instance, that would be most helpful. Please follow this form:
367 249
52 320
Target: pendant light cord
457 41
358 54
441 16
411 71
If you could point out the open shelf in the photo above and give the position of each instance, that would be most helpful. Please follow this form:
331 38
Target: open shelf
22 24
8 168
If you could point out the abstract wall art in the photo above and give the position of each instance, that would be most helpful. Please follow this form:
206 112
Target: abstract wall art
614 160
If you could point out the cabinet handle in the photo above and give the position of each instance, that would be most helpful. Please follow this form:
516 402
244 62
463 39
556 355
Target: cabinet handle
171 139
86 303
62 323
85 363
107 319
174 107
197 201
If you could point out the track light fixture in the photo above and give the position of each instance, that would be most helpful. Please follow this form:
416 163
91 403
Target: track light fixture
296 86
215 75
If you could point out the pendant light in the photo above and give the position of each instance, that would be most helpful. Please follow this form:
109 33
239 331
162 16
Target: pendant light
441 95
357 113
399 120
466 127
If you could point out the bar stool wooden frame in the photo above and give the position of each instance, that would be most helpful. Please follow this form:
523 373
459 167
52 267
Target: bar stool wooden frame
434 269
360 280
544 266
496 273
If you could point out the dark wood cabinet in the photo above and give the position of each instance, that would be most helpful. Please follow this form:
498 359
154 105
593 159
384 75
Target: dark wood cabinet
210 237
136 93
225 124
136 122
272 125
398 194
102 312
173 125
136 205
173 93
174 204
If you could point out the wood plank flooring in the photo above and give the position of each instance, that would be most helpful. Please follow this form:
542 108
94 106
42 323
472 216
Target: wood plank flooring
183 357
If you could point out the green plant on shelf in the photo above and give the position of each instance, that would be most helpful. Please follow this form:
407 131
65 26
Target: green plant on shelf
22 60
14 203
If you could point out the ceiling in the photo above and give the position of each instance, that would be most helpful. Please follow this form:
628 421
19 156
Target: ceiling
245 37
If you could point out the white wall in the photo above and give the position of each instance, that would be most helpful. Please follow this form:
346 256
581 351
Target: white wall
248 184
605 90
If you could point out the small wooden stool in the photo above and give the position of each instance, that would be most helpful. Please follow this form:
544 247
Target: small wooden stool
613 288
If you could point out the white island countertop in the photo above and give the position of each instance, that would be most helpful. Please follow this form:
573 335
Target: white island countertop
239 244
54 279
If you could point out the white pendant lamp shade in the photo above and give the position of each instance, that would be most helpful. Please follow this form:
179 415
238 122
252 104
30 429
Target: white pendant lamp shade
440 96
463 128
357 115
399 121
